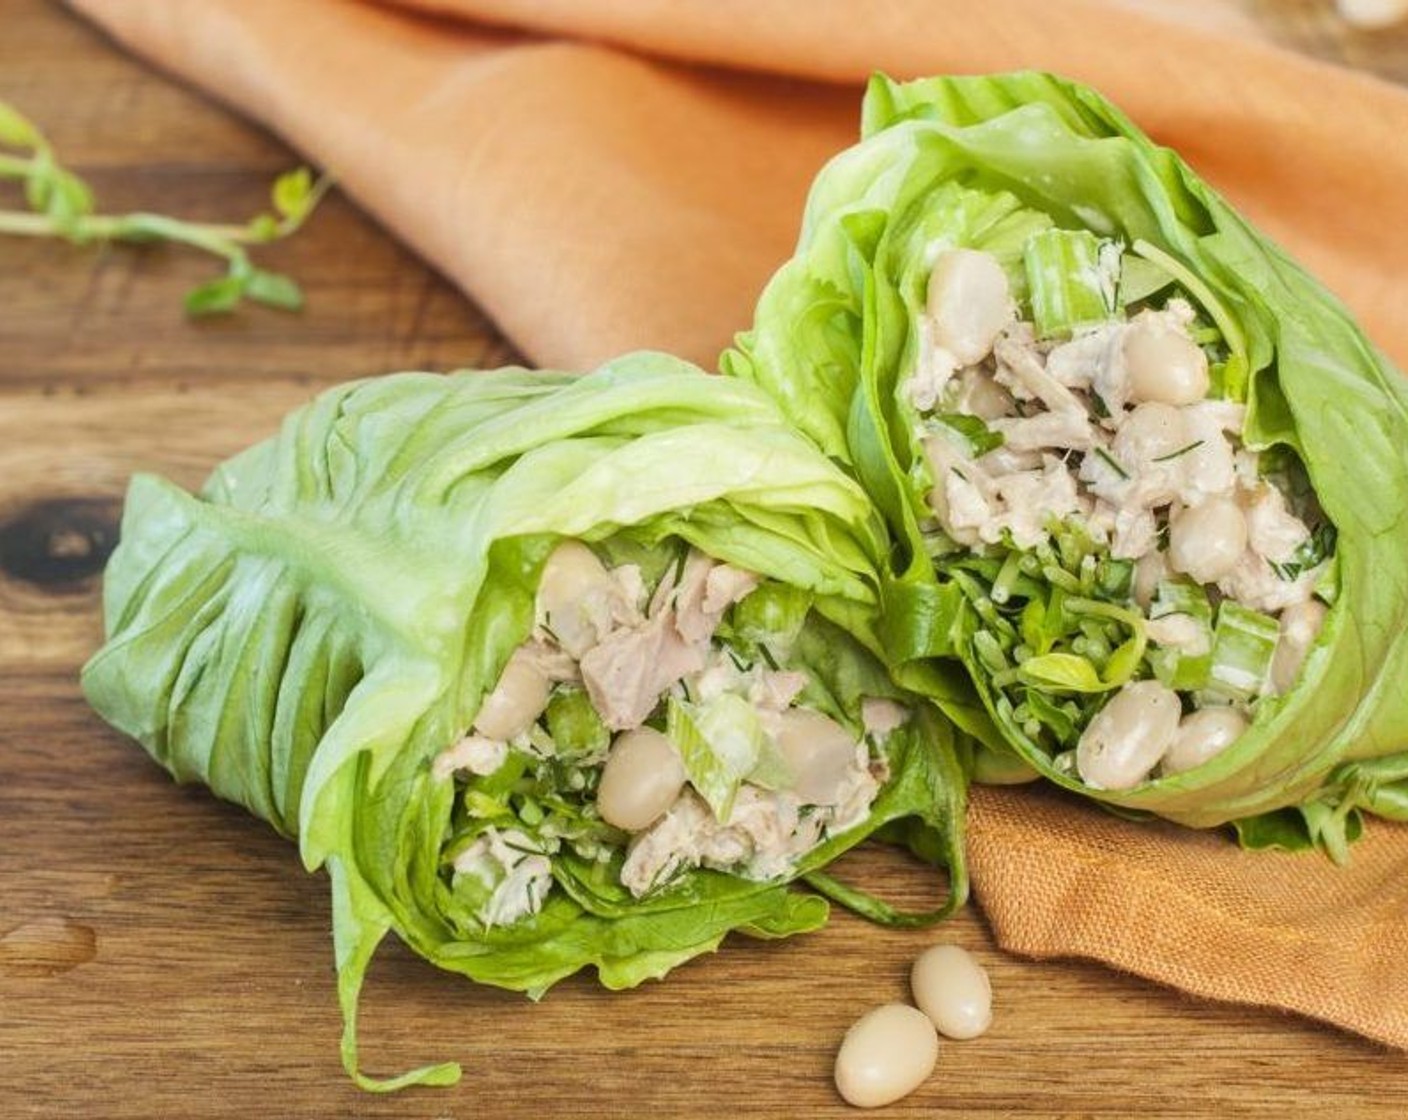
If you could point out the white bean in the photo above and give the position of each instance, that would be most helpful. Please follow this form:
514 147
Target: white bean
1163 364
818 751
953 989
1300 625
1150 432
886 1055
571 579
1128 736
983 397
1206 541
516 701
1203 735
970 302
642 778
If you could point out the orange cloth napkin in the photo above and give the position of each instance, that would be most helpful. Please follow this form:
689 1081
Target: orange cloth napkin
604 175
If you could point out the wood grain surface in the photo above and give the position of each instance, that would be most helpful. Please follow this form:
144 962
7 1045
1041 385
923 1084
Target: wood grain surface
164 955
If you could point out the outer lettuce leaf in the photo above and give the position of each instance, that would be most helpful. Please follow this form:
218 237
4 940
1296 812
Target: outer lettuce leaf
326 617
973 159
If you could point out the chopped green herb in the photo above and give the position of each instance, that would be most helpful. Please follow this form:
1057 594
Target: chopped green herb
1181 451
1111 462
1310 554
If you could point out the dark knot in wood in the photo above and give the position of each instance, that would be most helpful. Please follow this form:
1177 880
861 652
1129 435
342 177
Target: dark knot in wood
59 543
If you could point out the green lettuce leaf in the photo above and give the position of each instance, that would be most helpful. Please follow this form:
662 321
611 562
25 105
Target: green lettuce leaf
310 632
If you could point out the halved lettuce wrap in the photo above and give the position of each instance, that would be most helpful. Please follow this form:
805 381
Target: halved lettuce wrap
414 629
1150 479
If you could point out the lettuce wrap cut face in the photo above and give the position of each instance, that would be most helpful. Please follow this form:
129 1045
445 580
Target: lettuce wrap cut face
1149 480
548 672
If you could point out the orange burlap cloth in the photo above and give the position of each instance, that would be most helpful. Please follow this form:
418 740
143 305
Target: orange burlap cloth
603 175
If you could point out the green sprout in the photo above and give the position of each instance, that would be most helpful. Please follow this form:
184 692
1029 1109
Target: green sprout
62 205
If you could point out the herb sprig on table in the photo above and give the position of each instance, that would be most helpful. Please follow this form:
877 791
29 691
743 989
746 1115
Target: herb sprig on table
62 205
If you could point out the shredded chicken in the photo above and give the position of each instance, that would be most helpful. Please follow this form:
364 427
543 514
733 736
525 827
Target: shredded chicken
1020 370
1031 500
626 673
1063 429
933 371
762 838
880 715
1273 532
1078 363
553 662
1254 583
514 869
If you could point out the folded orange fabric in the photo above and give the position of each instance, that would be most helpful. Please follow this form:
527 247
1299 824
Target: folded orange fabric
604 176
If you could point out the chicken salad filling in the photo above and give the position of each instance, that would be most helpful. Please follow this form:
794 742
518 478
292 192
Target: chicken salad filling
1142 578
654 722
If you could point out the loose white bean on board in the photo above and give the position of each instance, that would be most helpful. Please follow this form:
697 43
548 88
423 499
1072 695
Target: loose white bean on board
953 989
886 1055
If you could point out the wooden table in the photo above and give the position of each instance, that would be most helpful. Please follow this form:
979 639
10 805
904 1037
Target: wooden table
162 954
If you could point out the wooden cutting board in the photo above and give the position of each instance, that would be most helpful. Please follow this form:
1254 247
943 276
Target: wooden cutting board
162 954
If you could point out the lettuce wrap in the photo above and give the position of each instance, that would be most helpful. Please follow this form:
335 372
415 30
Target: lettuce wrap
1148 478
415 628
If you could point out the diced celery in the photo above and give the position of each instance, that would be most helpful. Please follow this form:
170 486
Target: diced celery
1244 643
720 744
484 806
1006 579
529 811
1074 277
989 652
